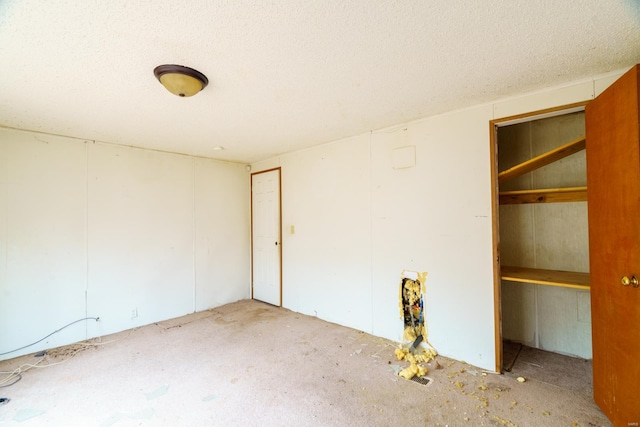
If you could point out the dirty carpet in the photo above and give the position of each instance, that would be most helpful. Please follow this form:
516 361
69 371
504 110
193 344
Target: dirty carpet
249 363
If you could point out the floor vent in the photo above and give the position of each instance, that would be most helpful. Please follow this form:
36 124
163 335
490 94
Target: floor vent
421 380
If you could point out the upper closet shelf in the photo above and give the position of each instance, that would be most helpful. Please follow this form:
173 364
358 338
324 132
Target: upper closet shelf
545 195
543 160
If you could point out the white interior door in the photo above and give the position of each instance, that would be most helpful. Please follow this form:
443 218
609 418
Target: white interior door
266 237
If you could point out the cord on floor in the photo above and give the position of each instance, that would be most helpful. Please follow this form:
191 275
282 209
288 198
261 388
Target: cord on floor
54 332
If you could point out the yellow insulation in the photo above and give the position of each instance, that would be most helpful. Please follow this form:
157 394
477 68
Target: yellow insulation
412 371
411 292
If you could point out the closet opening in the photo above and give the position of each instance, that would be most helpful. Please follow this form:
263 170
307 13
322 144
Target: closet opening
543 308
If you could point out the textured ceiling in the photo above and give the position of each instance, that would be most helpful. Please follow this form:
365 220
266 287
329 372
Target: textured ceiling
288 74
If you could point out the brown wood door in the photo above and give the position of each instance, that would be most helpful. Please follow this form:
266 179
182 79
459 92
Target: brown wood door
613 181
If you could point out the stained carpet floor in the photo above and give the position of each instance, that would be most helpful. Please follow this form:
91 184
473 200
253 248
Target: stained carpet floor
250 363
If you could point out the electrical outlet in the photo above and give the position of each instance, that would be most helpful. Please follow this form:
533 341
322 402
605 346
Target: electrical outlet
134 312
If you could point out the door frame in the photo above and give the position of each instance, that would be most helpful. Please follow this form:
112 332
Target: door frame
495 206
279 169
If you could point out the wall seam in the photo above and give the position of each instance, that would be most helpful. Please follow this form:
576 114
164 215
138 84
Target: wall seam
86 238
5 272
194 231
371 230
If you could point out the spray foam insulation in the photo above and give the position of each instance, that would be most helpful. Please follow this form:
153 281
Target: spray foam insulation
411 301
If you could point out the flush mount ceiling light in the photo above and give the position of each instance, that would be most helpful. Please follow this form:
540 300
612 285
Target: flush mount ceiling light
180 80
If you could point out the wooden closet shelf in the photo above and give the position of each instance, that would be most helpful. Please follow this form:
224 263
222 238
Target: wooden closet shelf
543 160
546 195
566 279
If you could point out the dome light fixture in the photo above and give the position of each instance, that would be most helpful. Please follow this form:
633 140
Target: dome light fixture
180 80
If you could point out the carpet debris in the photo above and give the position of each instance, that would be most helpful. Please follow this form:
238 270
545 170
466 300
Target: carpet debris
504 422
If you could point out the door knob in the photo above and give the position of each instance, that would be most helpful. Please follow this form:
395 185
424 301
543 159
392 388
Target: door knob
633 281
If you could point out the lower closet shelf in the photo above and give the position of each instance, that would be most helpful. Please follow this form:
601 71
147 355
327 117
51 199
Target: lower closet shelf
567 279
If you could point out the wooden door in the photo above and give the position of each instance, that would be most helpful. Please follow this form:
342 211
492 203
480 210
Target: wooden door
613 177
266 237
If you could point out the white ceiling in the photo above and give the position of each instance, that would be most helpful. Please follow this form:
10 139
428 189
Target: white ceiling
288 74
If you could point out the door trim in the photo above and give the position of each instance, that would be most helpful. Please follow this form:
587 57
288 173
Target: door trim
279 169
495 207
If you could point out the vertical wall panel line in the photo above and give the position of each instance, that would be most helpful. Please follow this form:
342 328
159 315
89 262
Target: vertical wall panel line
86 237
194 232
371 185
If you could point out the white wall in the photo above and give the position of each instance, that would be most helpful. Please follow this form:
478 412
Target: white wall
91 229
222 233
359 222
43 202
327 199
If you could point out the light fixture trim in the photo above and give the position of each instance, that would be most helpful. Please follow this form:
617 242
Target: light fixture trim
183 87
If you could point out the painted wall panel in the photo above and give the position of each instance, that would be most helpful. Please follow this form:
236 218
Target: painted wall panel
520 313
115 224
140 236
561 328
222 218
397 228
326 267
453 224
136 218
42 240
